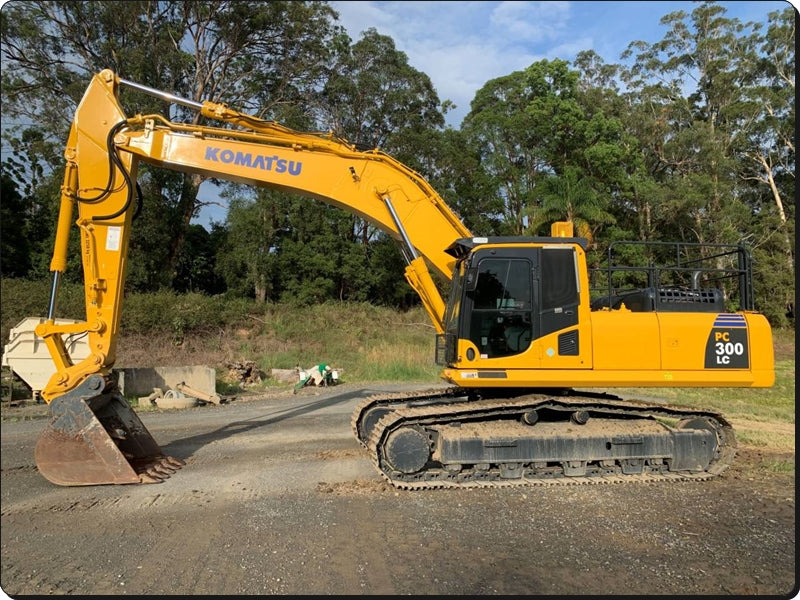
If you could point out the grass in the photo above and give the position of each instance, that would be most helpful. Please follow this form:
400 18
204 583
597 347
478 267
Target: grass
779 466
762 404
364 342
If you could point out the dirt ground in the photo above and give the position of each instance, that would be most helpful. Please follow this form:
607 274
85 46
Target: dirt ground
277 497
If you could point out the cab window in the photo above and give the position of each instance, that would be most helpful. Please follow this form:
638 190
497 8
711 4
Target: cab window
501 315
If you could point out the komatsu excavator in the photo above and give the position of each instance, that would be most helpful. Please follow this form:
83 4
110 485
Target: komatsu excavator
518 338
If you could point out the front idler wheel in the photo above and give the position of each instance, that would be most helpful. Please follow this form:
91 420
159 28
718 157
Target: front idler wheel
407 450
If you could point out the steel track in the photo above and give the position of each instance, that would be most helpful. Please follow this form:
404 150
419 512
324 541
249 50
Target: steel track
439 407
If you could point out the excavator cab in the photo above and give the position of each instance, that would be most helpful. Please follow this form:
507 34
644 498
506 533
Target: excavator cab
497 302
527 312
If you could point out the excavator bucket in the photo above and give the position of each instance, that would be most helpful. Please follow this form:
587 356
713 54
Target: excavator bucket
96 438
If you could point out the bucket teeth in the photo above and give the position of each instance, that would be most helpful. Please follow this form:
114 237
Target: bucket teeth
148 478
175 462
160 469
156 470
163 469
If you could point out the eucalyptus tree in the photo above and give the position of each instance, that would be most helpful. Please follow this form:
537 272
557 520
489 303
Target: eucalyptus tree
513 146
621 165
690 83
765 147
374 98
719 97
765 141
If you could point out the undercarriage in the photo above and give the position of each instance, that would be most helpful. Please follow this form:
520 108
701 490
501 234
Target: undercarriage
457 438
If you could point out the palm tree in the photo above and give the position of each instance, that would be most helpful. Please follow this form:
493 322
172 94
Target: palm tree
570 197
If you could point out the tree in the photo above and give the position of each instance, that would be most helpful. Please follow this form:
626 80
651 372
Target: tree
691 145
15 260
253 55
570 197
531 127
764 145
373 98
467 187
719 151
311 253
247 260
196 268
765 140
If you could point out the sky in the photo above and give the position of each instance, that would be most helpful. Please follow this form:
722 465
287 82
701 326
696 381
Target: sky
462 45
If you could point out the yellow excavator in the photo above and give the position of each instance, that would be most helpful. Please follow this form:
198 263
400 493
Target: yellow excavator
525 328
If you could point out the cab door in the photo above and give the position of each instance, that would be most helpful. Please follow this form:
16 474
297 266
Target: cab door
557 282
518 295
499 304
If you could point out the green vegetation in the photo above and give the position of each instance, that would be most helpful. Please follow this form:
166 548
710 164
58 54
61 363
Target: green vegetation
764 405
369 343
779 466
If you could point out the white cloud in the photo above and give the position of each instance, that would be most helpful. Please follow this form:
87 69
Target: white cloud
460 46
530 21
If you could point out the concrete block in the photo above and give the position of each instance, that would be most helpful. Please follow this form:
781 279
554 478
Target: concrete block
142 381
286 375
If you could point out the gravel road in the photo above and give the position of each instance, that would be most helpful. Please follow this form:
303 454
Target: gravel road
277 497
